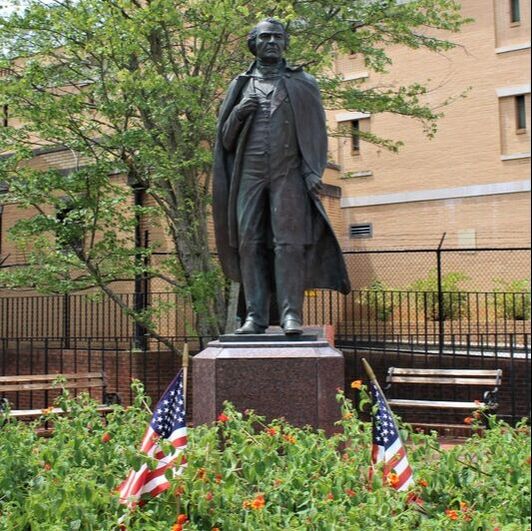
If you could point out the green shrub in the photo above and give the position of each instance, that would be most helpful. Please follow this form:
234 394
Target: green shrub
453 298
512 299
245 474
380 299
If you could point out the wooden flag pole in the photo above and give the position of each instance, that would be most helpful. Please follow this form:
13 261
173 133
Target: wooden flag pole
373 379
184 364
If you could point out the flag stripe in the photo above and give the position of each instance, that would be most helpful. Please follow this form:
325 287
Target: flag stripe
168 423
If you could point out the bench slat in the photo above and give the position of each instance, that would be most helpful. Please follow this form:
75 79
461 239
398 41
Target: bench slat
440 404
442 381
49 386
46 377
446 372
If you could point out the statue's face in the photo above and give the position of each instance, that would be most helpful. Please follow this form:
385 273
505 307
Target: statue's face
270 42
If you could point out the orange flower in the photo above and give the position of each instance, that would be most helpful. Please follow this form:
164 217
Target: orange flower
469 420
47 410
289 438
258 503
463 506
356 384
222 417
181 519
393 479
347 416
177 527
246 504
477 414
218 478
106 437
47 466
215 529
452 514
423 483
272 432
350 492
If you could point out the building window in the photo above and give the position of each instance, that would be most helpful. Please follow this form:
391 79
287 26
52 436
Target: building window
361 230
515 11
70 236
355 137
520 113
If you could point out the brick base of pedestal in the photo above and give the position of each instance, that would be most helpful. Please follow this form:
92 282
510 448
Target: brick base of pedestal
277 377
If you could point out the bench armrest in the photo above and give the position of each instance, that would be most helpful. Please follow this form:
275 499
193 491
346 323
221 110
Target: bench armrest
490 399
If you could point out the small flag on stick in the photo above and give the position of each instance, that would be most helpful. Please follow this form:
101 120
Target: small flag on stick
169 423
387 446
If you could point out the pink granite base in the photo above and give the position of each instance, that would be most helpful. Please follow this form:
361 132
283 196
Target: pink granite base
276 377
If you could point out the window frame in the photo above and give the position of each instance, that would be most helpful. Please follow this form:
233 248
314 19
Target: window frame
355 137
520 114
515 12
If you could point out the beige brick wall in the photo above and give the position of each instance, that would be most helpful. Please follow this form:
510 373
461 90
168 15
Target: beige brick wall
475 132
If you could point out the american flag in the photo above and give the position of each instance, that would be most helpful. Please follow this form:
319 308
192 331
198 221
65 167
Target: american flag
387 444
168 422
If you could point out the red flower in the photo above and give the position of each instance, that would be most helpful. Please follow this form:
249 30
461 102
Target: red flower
423 483
393 479
201 473
218 478
177 527
47 466
179 490
209 496
106 437
181 519
272 432
414 498
222 417
350 492
329 496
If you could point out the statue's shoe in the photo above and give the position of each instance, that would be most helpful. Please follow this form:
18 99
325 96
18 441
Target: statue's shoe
250 327
292 327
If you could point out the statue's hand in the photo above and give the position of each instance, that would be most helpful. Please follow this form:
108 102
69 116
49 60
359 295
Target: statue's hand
313 182
247 106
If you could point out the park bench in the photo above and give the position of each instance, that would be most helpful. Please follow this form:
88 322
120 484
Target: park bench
45 382
455 377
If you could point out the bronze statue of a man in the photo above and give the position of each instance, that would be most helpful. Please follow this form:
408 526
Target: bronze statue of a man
272 232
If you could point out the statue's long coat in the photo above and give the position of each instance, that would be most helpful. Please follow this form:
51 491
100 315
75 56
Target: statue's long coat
325 266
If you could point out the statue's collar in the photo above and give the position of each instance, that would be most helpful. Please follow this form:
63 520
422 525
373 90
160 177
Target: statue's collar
286 67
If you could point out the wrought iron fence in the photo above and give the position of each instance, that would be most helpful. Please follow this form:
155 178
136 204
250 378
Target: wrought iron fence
420 296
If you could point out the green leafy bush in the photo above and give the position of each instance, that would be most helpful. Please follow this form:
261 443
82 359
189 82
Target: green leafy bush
453 298
512 299
380 299
245 474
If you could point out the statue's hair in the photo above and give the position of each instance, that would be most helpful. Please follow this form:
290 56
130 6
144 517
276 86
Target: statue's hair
252 35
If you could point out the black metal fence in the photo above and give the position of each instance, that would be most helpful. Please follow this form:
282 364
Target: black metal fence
437 297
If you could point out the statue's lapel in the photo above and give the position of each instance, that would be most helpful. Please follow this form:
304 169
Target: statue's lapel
278 96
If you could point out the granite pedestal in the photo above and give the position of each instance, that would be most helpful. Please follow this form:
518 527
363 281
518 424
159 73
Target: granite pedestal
277 376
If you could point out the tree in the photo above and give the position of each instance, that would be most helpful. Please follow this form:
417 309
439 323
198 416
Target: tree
131 88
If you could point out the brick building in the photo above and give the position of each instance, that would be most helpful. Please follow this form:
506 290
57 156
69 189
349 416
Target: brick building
472 179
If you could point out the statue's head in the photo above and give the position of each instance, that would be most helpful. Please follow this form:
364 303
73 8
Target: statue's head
268 40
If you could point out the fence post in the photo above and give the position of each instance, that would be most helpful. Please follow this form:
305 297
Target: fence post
66 320
441 313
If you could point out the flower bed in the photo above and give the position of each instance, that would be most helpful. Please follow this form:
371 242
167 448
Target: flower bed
245 474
